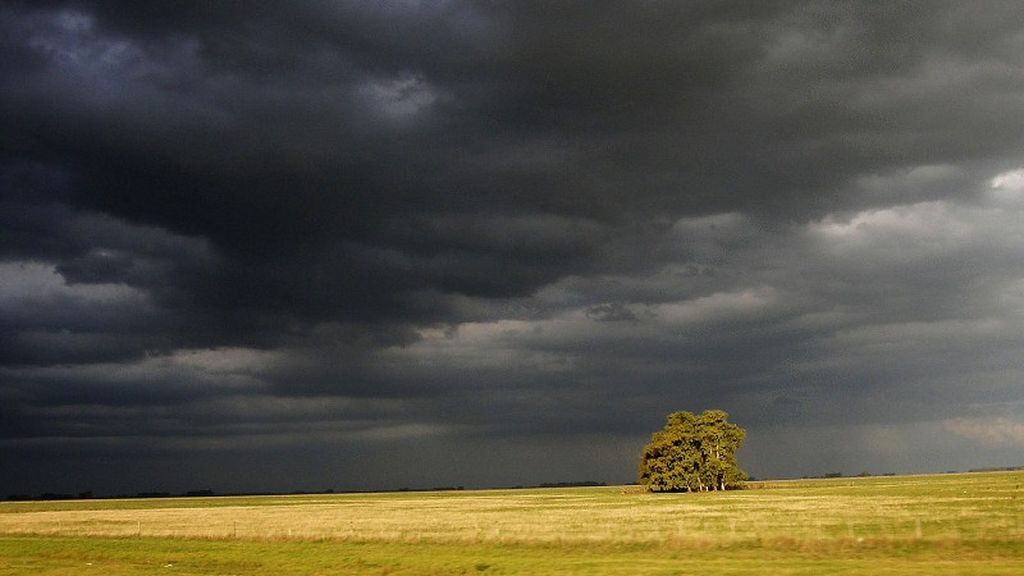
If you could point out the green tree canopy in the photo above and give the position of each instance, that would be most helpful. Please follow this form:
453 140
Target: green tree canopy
693 454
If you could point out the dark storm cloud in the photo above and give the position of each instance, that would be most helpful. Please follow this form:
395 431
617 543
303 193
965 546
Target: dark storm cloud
419 228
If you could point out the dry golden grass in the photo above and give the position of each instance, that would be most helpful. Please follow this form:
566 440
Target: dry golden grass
836 513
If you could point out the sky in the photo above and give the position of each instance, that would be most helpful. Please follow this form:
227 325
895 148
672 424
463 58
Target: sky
372 245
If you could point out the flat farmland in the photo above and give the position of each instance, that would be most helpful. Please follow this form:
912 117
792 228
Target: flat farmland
952 523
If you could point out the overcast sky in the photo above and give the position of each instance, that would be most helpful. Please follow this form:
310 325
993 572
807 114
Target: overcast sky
312 244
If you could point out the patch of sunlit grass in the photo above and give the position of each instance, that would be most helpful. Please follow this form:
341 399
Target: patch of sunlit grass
978 514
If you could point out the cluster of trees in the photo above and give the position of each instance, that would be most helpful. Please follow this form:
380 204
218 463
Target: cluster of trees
693 454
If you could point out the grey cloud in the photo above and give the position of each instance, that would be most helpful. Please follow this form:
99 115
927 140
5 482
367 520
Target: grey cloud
611 312
534 225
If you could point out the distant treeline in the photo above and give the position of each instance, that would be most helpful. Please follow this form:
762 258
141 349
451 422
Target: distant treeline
1003 469
841 475
866 474
209 493
89 495
582 483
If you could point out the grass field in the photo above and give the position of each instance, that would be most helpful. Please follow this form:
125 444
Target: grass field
954 524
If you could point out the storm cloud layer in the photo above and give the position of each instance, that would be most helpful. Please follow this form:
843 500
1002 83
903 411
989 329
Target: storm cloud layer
371 245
